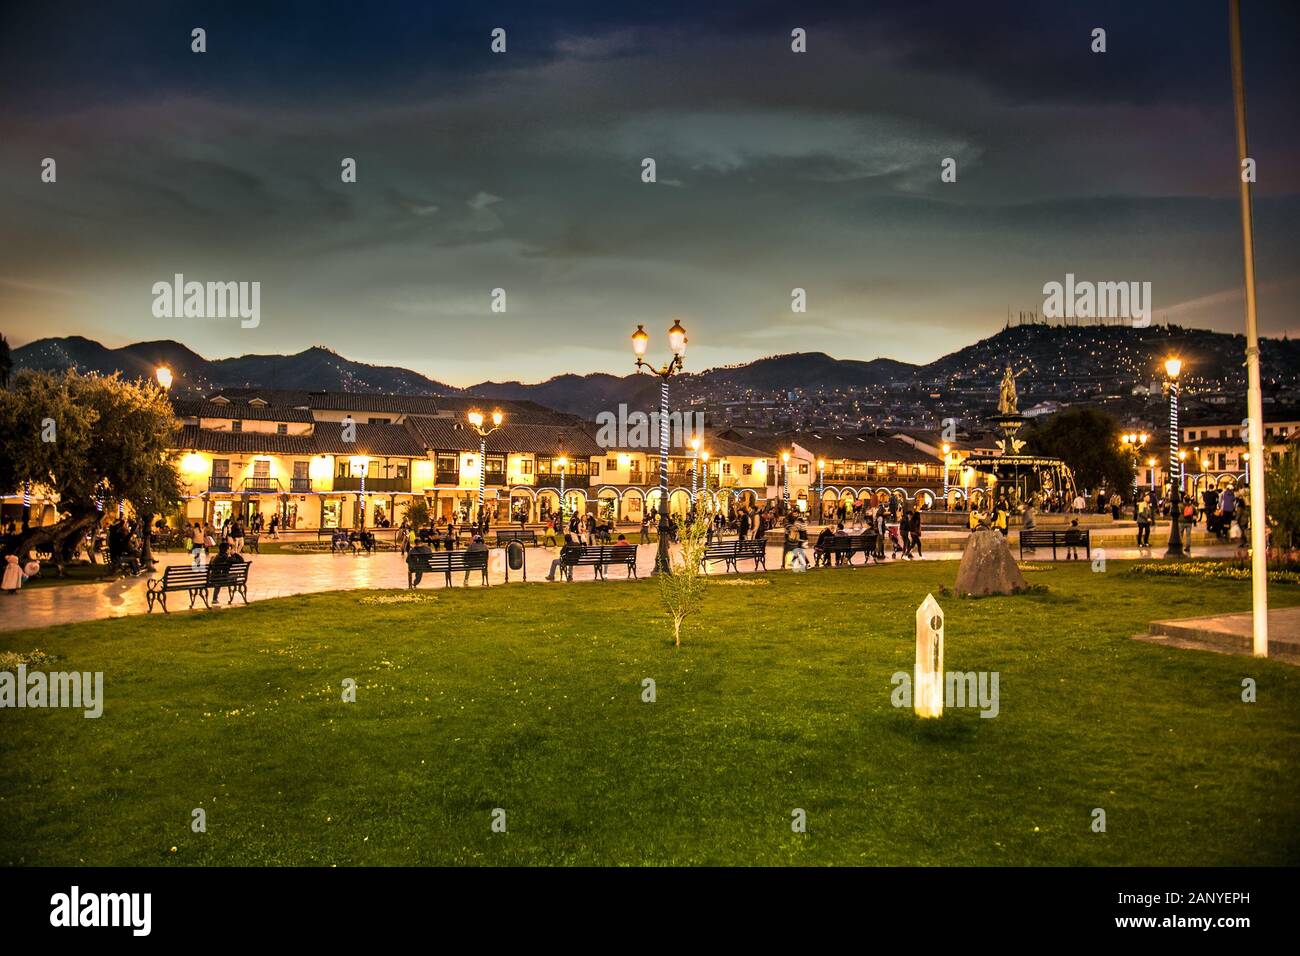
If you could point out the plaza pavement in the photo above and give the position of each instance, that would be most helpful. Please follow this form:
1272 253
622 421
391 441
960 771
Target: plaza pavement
282 575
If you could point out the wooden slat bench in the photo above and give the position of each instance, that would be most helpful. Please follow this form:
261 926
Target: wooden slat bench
850 544
198 582
524 536
733 552
600 558
1076 538
446 563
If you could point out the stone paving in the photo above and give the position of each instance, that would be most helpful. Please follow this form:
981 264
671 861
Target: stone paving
1230 633
281 575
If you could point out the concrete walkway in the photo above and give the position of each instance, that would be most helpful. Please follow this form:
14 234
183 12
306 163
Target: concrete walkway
282 575
1230 633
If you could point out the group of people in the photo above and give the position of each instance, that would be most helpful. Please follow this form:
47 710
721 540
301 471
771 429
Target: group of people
202 536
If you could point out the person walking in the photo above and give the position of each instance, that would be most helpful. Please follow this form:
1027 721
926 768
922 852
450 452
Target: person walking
880 525
198 555
1027 524
1142 514
914 530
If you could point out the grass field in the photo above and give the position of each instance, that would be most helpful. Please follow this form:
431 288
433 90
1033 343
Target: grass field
528 698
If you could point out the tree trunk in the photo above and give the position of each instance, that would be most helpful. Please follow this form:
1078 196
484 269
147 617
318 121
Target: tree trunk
56 536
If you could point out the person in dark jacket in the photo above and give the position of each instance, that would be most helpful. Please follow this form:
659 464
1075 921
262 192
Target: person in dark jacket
220 565
572 548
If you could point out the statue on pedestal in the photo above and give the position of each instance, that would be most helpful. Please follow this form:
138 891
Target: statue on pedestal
1007 398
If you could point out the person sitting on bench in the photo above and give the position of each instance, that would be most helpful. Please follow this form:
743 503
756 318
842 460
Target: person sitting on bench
476 546
219 565
572 547
821 550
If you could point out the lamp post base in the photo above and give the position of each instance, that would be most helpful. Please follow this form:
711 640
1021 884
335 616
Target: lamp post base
663 563
1175 549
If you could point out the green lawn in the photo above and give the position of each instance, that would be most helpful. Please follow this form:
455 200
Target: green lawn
528 698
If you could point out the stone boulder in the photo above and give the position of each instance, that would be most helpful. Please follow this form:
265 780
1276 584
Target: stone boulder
988 566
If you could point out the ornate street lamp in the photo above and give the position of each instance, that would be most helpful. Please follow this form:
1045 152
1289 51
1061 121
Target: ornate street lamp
946 449
163 375
821 489
695 469
677 345
1173 366
785 490
562 463
1133 443
476 422
704 467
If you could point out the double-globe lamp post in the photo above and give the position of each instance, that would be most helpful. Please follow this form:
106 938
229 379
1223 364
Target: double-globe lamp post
1172 367
785 489
677 344
164 376
476 422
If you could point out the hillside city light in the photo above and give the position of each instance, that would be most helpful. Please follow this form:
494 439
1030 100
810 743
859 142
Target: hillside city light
164 376
1173 366
476 422
677 345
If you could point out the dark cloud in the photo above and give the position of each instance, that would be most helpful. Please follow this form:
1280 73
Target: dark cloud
523 172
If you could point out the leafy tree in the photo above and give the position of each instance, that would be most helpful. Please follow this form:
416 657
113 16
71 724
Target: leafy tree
86 437
417 513
682 591
1282 497
1087 440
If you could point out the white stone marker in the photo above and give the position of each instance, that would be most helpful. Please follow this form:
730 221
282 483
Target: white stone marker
927 680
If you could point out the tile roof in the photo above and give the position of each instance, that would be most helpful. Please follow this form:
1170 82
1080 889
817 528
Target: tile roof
238 411
445 434
679 445
386 441
866 446
254 443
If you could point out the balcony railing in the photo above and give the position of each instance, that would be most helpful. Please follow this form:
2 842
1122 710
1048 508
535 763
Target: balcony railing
570 481
219 483
260 486
494 478
300 486
377 485
446 478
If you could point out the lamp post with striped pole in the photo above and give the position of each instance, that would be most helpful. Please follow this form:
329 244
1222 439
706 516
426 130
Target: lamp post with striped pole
677 344
562 463
1172 367
785 482
476 422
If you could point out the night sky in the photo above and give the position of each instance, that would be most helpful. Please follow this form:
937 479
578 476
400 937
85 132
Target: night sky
523 171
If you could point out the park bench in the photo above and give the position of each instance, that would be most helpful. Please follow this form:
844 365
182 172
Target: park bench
850 544
733 552
198 582
251 543
524 536
600 558
1076 538
446 563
